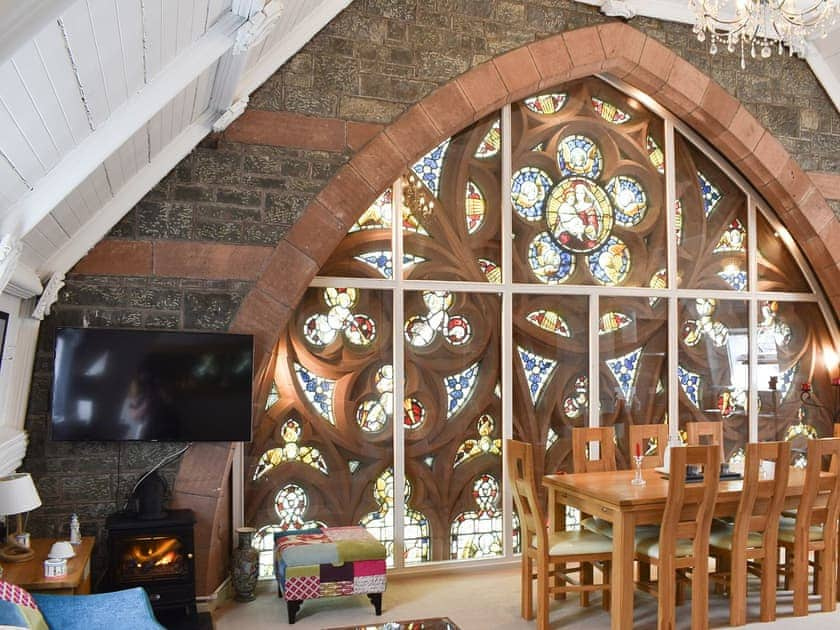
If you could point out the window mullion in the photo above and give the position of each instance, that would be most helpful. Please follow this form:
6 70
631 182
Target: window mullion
752 328
398 350
673 305
506 324
594 363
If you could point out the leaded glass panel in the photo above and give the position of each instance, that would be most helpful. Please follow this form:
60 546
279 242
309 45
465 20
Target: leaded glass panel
714 367
317 452
587 196
455 201
633 342
712 224
777 270
452 350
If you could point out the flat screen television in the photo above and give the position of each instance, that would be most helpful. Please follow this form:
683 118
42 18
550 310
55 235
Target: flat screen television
111 384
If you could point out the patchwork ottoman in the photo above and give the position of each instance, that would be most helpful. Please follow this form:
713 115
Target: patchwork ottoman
328 562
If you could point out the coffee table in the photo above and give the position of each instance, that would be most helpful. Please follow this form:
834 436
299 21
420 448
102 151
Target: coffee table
435 623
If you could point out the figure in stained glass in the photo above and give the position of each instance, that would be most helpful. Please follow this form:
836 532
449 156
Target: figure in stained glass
421 330
579 155
528 191
380 522
610 265
579 215
773 333
485 444
322 329
550 264
733 239
377 216
694 330
291 451
478 533
372 415
629 198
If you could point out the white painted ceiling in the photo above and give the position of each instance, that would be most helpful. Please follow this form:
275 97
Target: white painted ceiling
99 99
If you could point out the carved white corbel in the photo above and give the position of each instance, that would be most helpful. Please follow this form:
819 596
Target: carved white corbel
49 296
618 8
230 114
9 254
257 27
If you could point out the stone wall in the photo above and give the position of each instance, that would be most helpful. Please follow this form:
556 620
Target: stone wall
189 253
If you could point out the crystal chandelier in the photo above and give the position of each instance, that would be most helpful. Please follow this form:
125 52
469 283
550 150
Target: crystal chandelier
759 26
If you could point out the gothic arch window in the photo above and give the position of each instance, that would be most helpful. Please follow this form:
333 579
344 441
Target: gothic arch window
577 258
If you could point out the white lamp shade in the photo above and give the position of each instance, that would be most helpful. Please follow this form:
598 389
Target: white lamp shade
18 494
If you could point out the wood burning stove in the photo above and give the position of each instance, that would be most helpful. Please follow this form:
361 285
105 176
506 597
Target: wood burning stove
156 554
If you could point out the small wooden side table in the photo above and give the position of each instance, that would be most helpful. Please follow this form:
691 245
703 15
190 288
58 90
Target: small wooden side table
30 574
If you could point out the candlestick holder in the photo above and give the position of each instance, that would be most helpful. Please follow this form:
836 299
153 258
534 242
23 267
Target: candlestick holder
638 480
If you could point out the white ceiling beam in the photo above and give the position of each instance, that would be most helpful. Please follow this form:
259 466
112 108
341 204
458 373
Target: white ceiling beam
670 10
231 68
315 20
128 196
88 155
825 73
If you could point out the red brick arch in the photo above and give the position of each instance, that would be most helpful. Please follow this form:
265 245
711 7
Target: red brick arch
613 48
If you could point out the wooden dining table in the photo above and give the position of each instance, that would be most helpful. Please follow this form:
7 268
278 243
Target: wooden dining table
610 496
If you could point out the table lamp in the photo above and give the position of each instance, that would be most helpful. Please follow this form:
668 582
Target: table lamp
17 496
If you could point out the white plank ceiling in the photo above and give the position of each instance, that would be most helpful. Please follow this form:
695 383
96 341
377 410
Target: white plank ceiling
99 99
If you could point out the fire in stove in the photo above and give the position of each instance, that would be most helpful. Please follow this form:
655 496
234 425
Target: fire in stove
153 556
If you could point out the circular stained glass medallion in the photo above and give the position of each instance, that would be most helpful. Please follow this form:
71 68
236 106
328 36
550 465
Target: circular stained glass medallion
548 261
579 215
610 264
528 190
579 155
629 199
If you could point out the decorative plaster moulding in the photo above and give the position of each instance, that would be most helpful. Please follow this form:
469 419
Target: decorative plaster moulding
257 27
230 114
10 249
48 297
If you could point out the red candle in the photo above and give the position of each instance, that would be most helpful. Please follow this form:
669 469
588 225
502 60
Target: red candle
806 387
638 450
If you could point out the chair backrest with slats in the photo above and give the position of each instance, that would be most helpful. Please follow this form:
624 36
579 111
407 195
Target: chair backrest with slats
820 501
689 506
645 435
581 451
520 465
696 431
762 497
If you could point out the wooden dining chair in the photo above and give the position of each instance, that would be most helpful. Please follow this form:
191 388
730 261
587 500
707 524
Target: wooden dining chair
815 528
754 534
583 439
697 431
683 540
645 435
548 550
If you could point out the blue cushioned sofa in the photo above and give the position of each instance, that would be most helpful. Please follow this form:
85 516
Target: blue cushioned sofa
127 610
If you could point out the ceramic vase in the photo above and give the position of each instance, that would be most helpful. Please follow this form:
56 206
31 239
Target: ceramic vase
245 566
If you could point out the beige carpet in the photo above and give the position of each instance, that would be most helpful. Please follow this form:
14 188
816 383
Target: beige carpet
480 600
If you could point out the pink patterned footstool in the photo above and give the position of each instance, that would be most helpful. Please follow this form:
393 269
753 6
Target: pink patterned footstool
328 562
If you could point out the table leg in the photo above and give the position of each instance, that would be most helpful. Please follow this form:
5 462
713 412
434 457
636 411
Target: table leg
621 613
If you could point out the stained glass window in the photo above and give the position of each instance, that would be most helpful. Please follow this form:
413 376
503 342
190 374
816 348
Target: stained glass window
477 533
589 215
579 178
380 522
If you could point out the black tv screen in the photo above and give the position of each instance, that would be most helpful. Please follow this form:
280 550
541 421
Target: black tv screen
113 384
